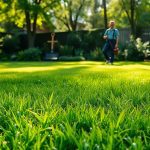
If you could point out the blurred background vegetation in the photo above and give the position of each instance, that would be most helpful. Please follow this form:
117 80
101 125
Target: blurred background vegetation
79 26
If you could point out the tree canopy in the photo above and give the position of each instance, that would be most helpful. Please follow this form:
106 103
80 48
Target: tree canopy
64 15
28 14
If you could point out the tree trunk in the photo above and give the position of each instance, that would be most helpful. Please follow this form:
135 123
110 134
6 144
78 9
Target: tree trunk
74 20
132 8
130 14
31 39
31 28
105 14
74 26
30 33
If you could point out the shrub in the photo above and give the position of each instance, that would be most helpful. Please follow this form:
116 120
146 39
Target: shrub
88 42
91 40
96 55
134 52
11 44
4 57
78 52
31 54
74 40
75 58
143 47
66 51
13 57
121 56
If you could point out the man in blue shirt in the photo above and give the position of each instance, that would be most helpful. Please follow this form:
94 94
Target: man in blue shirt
111 36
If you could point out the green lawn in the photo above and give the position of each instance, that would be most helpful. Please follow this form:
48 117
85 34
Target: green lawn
75 105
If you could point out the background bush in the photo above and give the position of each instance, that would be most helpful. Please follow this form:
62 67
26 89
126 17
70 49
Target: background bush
134 52
121 56
79 52
66 50
31 54
96 54
143 47
92 40
87 43
4 57
78 43
11 44
74 40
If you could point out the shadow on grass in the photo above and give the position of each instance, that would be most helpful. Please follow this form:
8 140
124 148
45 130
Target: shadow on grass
131 63
57 63
60 69
59 72
41 64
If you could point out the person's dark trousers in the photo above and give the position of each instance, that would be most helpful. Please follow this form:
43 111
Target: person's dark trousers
108 50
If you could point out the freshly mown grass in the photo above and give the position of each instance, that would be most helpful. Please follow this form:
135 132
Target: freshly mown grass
75 105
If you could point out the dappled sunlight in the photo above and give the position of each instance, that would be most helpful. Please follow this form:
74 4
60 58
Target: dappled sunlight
85 65
40 67
81 92
33 69
129 72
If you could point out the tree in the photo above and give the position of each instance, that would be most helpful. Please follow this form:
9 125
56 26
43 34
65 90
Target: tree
129 8
142 16
71 13
95 19
31 11
28 13
115 12
105 13
136 10
143 13
100 13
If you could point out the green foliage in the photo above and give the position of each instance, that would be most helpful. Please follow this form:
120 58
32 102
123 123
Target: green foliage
4 57
143 17
14 11
91 40
74 40
71 15
74 105
84 14
73 47
78 52
74 58
143 46
31 54
88 42
121 56
66 50
96 54
135 50
11 44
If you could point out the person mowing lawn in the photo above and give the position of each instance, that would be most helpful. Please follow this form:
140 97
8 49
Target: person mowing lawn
111 36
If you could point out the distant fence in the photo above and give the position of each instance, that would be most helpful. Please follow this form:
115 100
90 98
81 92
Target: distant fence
96 35
124 35
123 38
95 38
145 34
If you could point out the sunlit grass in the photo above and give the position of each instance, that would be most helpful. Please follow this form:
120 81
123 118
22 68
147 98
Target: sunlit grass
75 105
